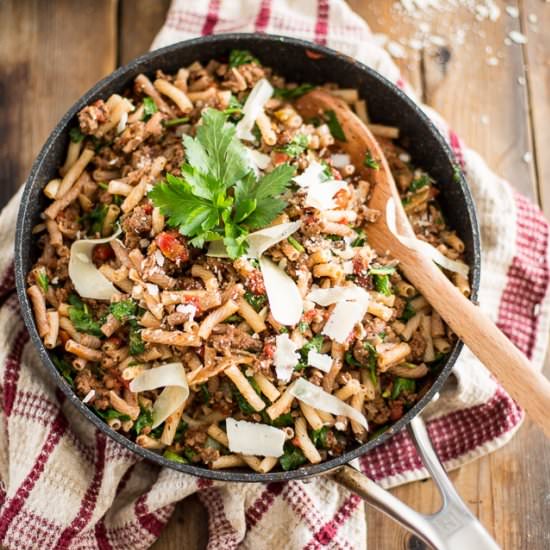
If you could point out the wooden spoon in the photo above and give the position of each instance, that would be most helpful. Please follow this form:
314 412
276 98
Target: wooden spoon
527 386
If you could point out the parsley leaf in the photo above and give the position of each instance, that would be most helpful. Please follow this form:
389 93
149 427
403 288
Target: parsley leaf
292 457
218 196
419 183
96 217
371 362
334 126
175 121
293 93
382 284
174 457
371 162
257 301
296 147
124 310
408 312
284 420
64 368
144 419
81 318
241 57
382 270
135 342
319 437
111 414
76 135
402 384
149 108
42 279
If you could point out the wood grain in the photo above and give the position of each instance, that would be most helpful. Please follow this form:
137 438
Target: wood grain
52 52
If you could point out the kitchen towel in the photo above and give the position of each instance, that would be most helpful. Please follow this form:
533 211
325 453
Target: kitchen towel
63 484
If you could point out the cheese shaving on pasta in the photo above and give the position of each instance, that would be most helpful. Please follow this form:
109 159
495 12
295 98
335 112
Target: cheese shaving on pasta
172 378
88 281
253 106
314 396
251 438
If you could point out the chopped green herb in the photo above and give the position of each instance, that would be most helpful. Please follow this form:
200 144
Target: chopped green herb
157 432
408 312
42 280
296 147
204 393
181 429
118 199
189 453
319 437
233 319
283 330
144 419
218 196
112 414
371 162
405 201
292 458
293 93
420 182
303 326
360 239
314 120
371 363
382 284
350 359
81 318
315 344
64 368
149 108
334 238
136 344
377 432
76 135
402 384
382 335
381 270
295 244
124 310
174 457
457 173
96 217
257 301
103 185
334 126
242 403
241 57
234 107
284 420
175 121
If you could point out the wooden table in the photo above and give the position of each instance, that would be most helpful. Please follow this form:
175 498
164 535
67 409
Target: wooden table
54 51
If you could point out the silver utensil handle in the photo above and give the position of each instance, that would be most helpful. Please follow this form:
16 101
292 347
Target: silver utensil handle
453 527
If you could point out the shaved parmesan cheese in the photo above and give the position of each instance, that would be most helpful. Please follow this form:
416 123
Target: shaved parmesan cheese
260 241
89 396
339 160
327 296
343 319
285 301
422 246
122 123
310 176
251 438
253 106
172 378
258 161
285 357
320 195
320 361
316 397
88 281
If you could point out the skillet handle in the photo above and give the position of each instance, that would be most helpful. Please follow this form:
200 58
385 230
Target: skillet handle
453 527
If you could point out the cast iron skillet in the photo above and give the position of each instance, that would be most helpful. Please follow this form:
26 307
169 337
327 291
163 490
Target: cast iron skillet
299 61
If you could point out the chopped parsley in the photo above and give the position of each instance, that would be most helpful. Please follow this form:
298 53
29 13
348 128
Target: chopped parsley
292 241
204 394
218 196
408 312
241 57
402 384
419 183
382 270
283 421
319 437
149 108
257 301
81 317
371 162
136 344
296 147
42 280
174 457
371 362
334 126
76 135
360 239
64 368
175 121
96 217
382 284
292 457
350 359
112 414
144 420
124 310
315 344
303 326
234 107
293 93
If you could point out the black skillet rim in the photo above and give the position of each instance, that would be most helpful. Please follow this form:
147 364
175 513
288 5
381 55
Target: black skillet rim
232 40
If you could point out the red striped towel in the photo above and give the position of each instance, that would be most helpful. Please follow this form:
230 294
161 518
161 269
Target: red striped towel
65 485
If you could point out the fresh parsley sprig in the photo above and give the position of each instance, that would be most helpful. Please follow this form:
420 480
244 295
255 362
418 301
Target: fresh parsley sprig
218 196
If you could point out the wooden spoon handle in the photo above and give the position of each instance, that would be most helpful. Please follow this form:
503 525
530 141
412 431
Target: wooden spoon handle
529 388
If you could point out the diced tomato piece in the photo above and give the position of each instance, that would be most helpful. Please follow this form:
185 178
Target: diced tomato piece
194 301
102 253
269 351
309 315
278 157
148 208
173 246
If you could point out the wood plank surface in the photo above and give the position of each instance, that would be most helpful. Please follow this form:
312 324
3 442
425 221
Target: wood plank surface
54 51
